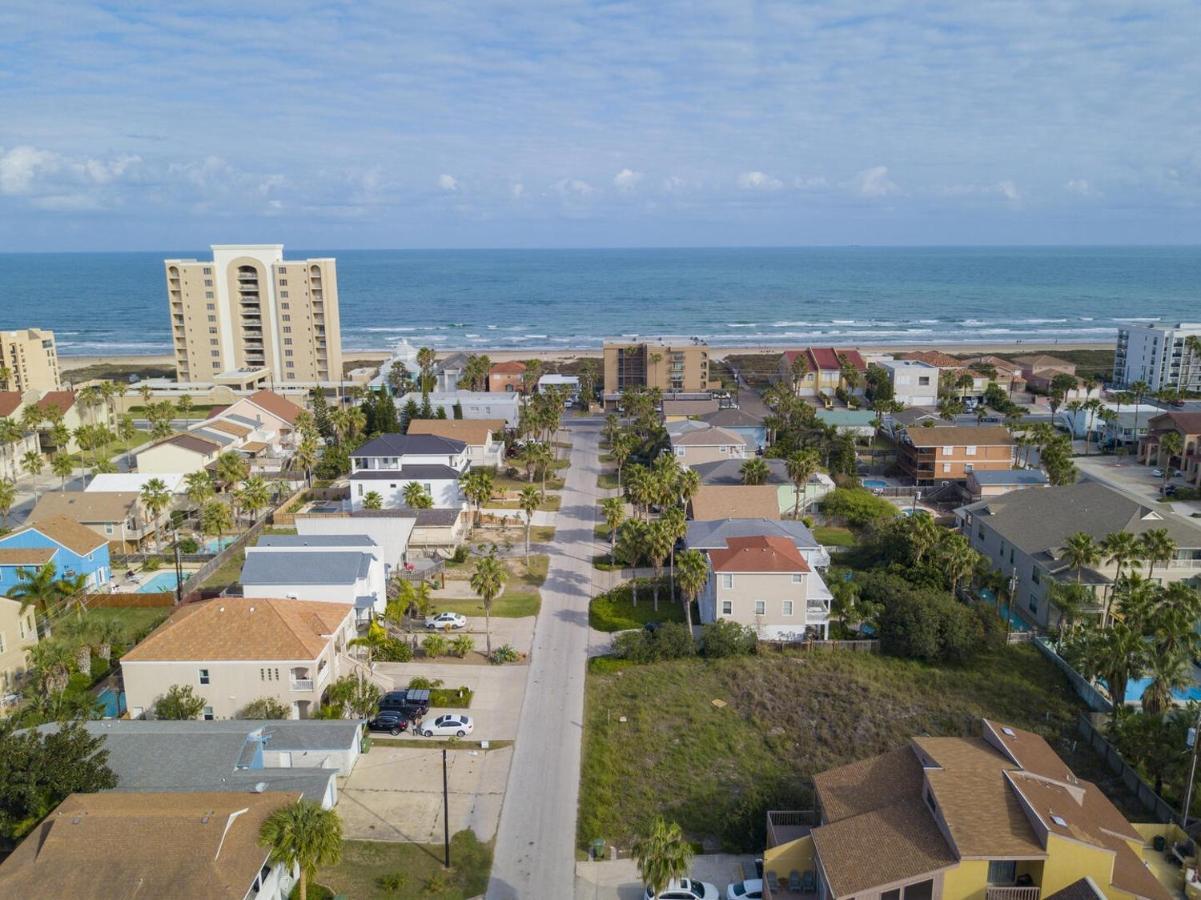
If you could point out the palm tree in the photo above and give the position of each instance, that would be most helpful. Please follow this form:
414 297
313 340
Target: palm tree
957 558
693 575
488 581
621 447
373 500
52 660
662 855
416 496
62 465
33 463
156 497
754 471
305 836
477 487
8 496
801 466
10 433
254 496
659 541
529 499
1169 672
1137 392
631 547
1156 546
199 488
231 469
614 511
797 371
37 587
923 536
184 405
215 518
676 523
688 484
1080 551
305 456
426 357
1121 549
1171 444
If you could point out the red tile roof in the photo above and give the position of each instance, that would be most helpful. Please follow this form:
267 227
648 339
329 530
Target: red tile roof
278 406
64 400
513 367
758 554
9 402
825 359
934 358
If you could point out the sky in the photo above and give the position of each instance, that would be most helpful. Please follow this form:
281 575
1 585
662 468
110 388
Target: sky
362 124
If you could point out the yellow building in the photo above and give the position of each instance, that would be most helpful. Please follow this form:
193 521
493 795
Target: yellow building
18 632
671 369
999 817
28 361
251 314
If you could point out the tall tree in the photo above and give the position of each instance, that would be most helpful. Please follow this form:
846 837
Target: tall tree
477 486
801 466
156 497
529 499
303 835
659 541
692 573
614 511
488 581
1080 551
662 854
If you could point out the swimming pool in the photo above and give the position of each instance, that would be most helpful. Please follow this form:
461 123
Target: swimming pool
216 545
160 583
1016 622
1136 687
875 484
113 703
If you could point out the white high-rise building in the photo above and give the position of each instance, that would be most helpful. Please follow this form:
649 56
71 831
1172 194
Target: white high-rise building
251 311
1158 354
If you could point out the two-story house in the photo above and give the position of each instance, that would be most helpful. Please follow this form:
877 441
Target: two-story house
1023 535
714 535
823 370
12 455
18 632
764 582
995 817
1185 424
914 383
120 517
483 437
233 650
932 455
507 377
694 442
346 569
74 550
386 464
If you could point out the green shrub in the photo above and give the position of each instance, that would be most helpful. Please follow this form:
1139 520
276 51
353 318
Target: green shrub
460 555
189 545
152 564
669 641
461 645
920 623
394 650
727 639
392 883
421 683
857 506
505 654
434 645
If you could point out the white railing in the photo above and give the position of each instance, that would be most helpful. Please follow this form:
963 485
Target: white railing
302 684
1012 893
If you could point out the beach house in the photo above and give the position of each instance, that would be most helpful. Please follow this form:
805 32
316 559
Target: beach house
914 383
347 569
388 463
470 404
74 549
483 437
950 453
12 465
182 453
822 370
507 377
18 632
735 501
1188 426
695 442
741 422
120 517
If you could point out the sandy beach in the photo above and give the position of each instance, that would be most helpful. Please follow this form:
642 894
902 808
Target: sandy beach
67 363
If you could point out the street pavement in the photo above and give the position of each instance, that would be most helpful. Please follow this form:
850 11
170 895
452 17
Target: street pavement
535 844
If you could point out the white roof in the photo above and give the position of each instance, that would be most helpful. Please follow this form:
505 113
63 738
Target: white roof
449 397
133 481
554 378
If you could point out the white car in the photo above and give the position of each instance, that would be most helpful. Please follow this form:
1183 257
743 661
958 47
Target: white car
445 726
685 889
751 889
446 620
1158 473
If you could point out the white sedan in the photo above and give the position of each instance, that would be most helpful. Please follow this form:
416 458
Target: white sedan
447 726
446 620
751 889
685 889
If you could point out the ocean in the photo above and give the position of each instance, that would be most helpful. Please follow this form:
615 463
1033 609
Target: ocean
115 303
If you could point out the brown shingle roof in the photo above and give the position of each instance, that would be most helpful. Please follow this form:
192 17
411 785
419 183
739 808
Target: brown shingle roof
712 436
758 554
231 628
867 784
190 442
278 406
86 506
513 367
75 537
228 427
933 358
10 402
735 501
1038 361
64 400
1184 422
469 431
126 844
26 556
961 436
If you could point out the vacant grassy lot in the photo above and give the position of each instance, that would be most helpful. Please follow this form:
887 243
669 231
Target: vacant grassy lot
834 536
550 503
374 869
520 598
505 482
615 611
717 770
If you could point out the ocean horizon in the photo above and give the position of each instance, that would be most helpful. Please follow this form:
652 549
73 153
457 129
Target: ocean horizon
115 303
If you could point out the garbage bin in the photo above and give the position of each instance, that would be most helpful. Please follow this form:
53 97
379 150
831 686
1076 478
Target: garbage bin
598 848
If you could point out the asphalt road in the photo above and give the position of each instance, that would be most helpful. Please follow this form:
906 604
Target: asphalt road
535 844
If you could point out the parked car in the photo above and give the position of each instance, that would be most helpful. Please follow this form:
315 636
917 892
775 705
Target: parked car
685 889
457 725
1158 473
751 889
413 703
393 721
446 620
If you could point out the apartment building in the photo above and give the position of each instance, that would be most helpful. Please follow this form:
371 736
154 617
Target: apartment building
18 632
995 817
28 361
1159 355
249 312
1188 426
914 383
931 455
670 368
823 370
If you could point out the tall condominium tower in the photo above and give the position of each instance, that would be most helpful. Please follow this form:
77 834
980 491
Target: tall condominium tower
1162 355
250 310
28 361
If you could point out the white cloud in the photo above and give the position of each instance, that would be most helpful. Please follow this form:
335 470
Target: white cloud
1008 190
673 183
626 179
810 184
517 190
874 182
448 182
1082 187
573 187
759 181
21 166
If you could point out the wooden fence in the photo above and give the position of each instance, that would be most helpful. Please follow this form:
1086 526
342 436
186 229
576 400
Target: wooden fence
197 578
1151 801
129 601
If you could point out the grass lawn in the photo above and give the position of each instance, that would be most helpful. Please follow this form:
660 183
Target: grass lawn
789 715
229 573
550 503
520 597
376 869
118 447
606 481
135 623
834 535
615 611
504 482
541 534
198 411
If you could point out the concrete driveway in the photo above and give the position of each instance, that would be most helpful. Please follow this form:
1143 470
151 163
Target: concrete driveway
618 879
1136 481
498 694
395 794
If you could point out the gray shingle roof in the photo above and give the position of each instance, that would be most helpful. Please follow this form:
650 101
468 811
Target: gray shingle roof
712 535
407 473
322 567
404 444
1011 476
729 471
733 418
316 540
1037 521
217 437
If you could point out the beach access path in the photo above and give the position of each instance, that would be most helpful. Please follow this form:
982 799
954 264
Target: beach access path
536 841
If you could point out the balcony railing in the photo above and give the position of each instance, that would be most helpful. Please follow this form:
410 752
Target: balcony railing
788 825
302 684
1012 893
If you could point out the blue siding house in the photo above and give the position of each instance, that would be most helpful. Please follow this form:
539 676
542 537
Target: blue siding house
73 548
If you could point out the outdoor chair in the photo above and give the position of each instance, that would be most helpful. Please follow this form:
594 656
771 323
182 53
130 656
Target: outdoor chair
809 883
794 881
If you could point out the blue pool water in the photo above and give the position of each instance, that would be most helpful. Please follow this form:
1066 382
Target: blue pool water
875 484
1016 622
216 545
113 702
163 581
1136 687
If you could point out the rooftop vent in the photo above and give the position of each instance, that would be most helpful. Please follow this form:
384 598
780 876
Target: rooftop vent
1059 820
259 787
1009 731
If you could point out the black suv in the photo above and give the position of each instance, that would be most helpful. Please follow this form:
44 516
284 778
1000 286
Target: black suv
392 721
413 703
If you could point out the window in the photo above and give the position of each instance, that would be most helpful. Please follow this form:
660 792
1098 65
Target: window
923 380
3 646
797 577
212 318
283 293
286 317
208 282
1033 604
787 608
946 467
1002 872
210 307
208 714
1034 574
948 450
727 607
212 329
208 270
287 353
204 676
894 894
283 281
971 451
287 342
727 580
760 607
923 890
208 295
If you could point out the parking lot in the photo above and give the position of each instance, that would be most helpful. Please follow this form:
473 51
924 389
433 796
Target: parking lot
618 879
498 692
1124 474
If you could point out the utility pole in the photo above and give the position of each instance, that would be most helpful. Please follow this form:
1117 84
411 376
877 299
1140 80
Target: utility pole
446 809
1192 772
178 570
